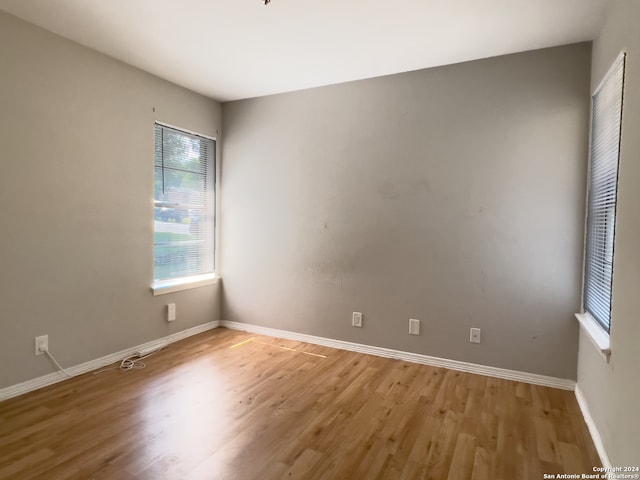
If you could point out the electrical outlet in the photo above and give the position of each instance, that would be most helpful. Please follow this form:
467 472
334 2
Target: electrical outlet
474 335
171 312
414 326
42 344
356 319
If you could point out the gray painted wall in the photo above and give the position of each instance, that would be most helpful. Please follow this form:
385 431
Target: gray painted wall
454 195
612 390
76 189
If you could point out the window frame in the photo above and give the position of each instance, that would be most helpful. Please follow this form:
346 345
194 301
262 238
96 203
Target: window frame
598 330
174 284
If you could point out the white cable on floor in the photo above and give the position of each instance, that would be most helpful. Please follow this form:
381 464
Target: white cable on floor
57 364
132 362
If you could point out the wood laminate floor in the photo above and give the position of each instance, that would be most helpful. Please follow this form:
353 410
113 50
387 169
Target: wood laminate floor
230 405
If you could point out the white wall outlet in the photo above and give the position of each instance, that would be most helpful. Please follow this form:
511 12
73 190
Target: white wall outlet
474 335
356 319
414 326
171 312
42 344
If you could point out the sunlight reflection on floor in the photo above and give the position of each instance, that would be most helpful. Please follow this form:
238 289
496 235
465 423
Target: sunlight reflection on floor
189 423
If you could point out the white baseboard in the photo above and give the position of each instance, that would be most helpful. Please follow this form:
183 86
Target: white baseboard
36 383
593 429
532 378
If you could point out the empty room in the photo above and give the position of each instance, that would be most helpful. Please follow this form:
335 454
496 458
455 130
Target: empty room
285 239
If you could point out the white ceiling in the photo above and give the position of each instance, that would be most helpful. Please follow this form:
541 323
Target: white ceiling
232 49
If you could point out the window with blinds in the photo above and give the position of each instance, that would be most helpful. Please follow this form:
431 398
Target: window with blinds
184 207
602 194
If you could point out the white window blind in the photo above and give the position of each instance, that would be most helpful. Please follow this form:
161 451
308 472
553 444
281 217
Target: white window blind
602 194
184 207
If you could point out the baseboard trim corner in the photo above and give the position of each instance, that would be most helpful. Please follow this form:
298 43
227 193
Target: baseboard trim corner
593 429
496 372
55 377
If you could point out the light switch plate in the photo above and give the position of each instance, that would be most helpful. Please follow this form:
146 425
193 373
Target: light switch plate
171 312
414 326
474 335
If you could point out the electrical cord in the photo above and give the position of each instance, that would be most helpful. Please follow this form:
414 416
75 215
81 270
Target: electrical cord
132 362
52 358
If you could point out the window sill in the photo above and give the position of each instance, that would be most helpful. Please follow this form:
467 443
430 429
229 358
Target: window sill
596 333
163 287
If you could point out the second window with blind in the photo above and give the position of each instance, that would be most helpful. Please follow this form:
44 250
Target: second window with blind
184 205
606 130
